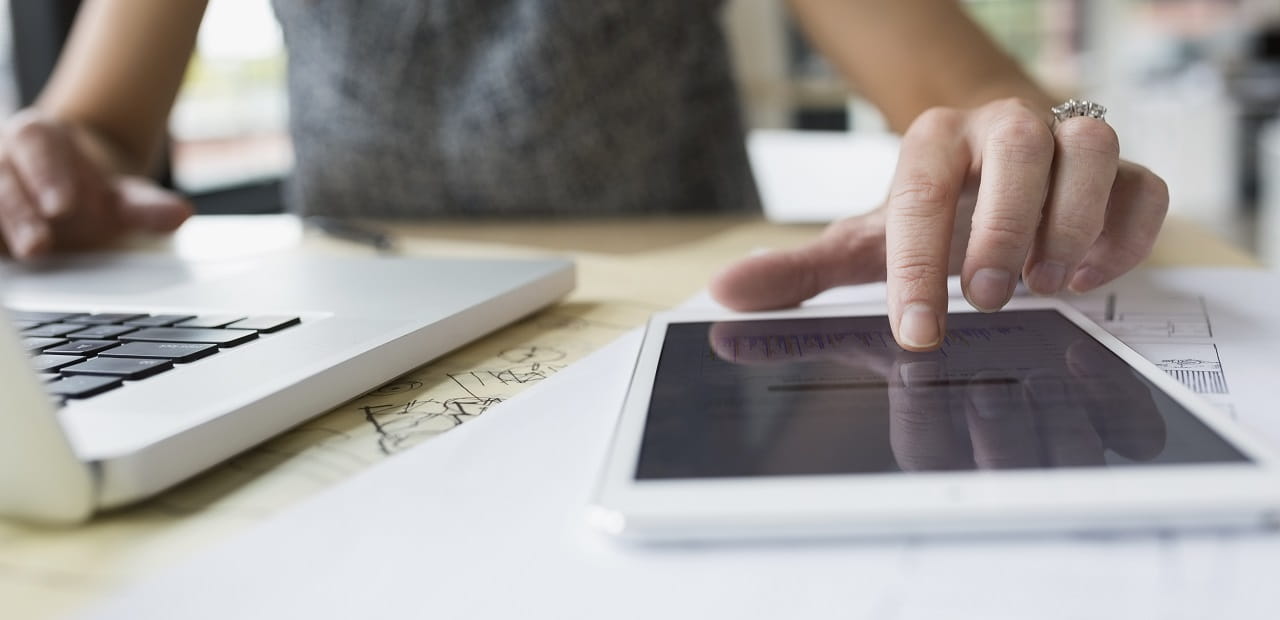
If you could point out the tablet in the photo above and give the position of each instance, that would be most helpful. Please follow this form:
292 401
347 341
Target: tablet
814 423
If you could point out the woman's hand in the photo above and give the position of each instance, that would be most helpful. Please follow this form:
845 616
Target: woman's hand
53 196
990 193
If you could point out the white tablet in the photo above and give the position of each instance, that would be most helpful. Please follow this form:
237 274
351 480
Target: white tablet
814 423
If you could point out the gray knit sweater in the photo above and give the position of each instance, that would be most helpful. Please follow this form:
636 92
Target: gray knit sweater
422 108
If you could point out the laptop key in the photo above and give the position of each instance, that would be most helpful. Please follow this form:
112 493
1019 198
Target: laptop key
104 318
125 368
99 332
50 363
25 325
52 330
81 347
42 317
179 352
211 321
159 320
35 345
266 324
48 376
224 337
83 386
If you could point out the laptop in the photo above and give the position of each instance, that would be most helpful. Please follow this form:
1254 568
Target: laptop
124 374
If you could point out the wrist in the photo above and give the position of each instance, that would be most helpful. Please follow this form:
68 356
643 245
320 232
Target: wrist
107 154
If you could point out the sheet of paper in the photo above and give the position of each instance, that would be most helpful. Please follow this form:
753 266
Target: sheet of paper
821 176
487 521
42 571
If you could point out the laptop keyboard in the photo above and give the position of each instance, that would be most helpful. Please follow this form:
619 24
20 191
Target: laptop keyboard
81 355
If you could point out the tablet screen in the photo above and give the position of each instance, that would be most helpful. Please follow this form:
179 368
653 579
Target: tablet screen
1010 390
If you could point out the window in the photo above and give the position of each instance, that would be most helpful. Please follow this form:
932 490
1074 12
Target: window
229 125
8 86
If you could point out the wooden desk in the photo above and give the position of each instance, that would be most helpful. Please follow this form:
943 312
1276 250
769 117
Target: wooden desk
626 270
666 260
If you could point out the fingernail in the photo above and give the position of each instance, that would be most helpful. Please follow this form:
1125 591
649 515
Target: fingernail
990 289
51 202
919 327
916 375
1086 279
1047 278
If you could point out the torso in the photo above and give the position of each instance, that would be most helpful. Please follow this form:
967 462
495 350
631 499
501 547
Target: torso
418 108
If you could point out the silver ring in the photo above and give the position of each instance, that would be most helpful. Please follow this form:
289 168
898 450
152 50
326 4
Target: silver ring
1073 108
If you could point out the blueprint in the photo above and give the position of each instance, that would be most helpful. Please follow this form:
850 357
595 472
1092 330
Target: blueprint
1211 329
1174 330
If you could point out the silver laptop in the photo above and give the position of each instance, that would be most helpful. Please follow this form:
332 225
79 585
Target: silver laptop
123 374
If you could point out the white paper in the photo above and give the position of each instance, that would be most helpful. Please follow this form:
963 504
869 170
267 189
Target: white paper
821 176
487 521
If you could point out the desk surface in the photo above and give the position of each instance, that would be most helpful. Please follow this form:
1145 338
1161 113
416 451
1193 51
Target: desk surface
626 270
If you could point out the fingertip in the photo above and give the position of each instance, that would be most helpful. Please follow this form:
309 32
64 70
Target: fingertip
1086 279
1046 277
989 289
919 328
169 218
152 209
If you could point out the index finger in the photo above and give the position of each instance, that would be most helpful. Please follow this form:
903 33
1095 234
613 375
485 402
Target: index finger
922 432
921 214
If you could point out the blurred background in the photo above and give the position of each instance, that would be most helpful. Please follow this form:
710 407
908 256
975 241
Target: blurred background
1193 87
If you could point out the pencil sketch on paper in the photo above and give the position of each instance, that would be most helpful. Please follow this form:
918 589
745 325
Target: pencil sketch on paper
1166 318
400 425
434 399
1174 331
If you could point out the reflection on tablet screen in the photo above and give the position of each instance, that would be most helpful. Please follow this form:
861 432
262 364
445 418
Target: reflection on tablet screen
1011 390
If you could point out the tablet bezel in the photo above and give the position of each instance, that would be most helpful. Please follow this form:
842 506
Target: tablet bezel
1224 494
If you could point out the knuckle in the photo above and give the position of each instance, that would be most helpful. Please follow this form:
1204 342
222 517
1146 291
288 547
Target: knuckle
29 128
1091 137
1021 138
1011 106
915 266
1005 232
921 196
1128 253
1074 229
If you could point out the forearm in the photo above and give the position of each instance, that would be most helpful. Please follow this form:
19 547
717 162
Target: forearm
907 56
119 75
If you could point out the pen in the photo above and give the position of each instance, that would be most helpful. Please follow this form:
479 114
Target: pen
350 231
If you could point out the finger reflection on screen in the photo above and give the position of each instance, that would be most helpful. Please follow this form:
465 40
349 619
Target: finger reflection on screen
1012 390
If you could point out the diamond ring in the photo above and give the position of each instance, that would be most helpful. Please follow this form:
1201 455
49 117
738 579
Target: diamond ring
1073 108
